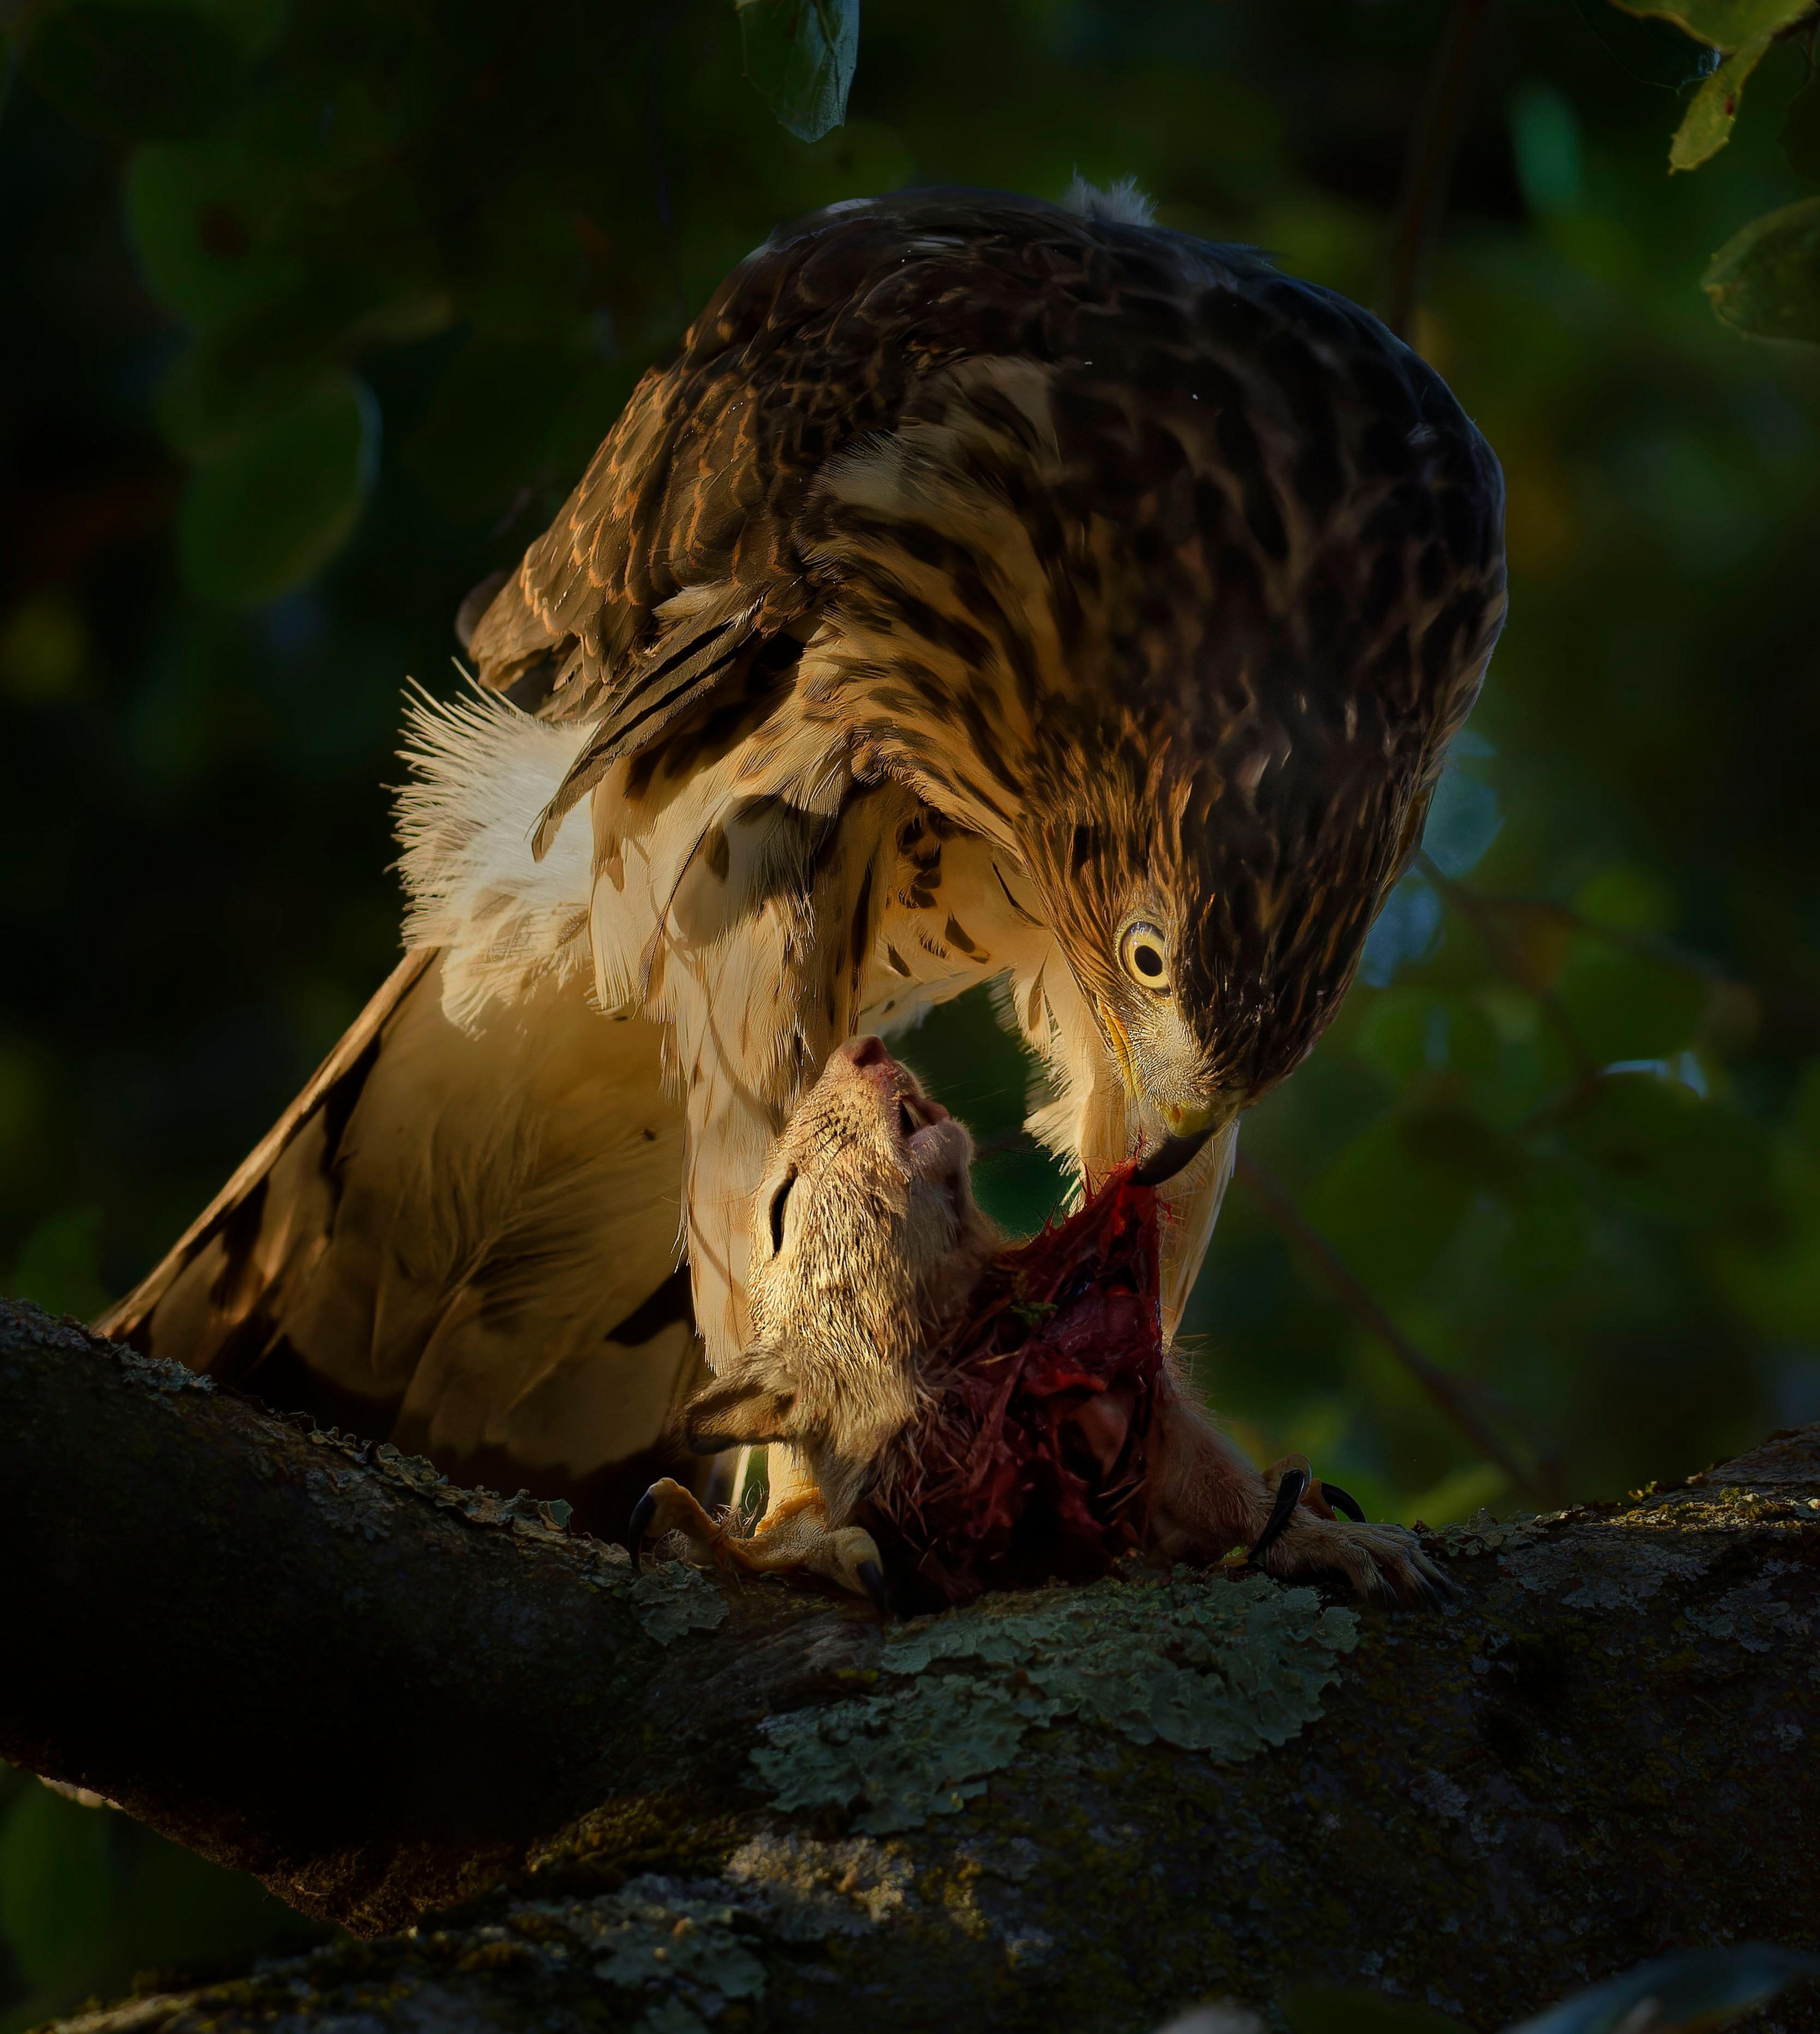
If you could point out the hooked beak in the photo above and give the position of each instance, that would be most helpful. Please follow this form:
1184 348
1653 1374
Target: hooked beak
1189 1129
1189 1123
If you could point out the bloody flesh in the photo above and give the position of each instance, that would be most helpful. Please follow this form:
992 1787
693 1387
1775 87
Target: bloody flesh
1027 1458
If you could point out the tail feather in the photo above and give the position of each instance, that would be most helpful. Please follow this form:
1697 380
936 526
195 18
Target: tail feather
207 1283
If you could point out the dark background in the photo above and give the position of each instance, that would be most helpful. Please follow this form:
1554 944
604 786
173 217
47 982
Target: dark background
309 327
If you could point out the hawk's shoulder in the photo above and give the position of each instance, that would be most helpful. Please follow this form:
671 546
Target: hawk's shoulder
692 541
823 335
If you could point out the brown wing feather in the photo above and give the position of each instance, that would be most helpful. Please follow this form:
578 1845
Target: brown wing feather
844 328
209 1240
834 330
461 1242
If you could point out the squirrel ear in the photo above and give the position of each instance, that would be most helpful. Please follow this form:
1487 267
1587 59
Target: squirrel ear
748 1405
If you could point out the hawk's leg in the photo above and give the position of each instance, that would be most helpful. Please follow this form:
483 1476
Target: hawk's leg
793 1537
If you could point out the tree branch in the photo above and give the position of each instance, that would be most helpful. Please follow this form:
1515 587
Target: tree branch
383 1696
369 1689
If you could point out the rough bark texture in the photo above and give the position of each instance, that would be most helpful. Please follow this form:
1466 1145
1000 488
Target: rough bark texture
391 1700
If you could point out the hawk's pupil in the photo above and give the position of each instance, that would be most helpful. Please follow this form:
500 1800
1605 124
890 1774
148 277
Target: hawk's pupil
1149 962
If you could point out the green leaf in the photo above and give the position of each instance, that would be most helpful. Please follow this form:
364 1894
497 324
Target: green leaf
263 355
1546 141
1661 1152
205 414
1766 279
1391 1200
1625 1005
1548 1232
1651 52
133 70
801 54
1706 126
202 217
1414 1032
1773 1275
1626 898
254 24
1725 25
47 654
271 513
1456 1142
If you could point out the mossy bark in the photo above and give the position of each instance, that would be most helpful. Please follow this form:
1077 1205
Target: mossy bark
408 1708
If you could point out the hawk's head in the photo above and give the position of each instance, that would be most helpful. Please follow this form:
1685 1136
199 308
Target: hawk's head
1185 608
1213 908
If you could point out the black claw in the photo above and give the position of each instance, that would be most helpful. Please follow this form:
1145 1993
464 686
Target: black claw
1289 1496
1343 1500
639 1524
1446 1588
1436 1590
872 1580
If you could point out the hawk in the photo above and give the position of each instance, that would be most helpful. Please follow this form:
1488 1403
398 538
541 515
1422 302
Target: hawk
987 591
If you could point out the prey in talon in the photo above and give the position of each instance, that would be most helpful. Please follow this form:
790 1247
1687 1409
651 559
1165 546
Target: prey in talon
972 1413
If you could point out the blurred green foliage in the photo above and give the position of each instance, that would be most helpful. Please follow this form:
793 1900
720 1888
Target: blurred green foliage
313 311
90 1900
1763 279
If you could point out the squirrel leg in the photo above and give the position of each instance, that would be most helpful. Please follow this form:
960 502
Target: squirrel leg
1303 1535
1208 1503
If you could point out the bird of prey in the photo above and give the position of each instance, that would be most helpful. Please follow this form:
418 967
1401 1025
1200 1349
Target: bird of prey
986 590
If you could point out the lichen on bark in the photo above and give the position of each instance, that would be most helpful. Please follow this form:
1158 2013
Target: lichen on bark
1204 1662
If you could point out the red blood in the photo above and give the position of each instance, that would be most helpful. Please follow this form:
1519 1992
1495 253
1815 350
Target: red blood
1027 1460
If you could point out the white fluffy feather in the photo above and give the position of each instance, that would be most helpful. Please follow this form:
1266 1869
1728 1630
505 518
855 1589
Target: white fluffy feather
1121 204
482 773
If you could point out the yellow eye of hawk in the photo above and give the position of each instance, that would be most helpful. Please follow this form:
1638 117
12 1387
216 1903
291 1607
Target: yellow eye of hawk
1145 952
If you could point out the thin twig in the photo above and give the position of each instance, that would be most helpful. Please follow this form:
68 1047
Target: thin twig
1443 1389
1430 168
1650 945
1481 914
